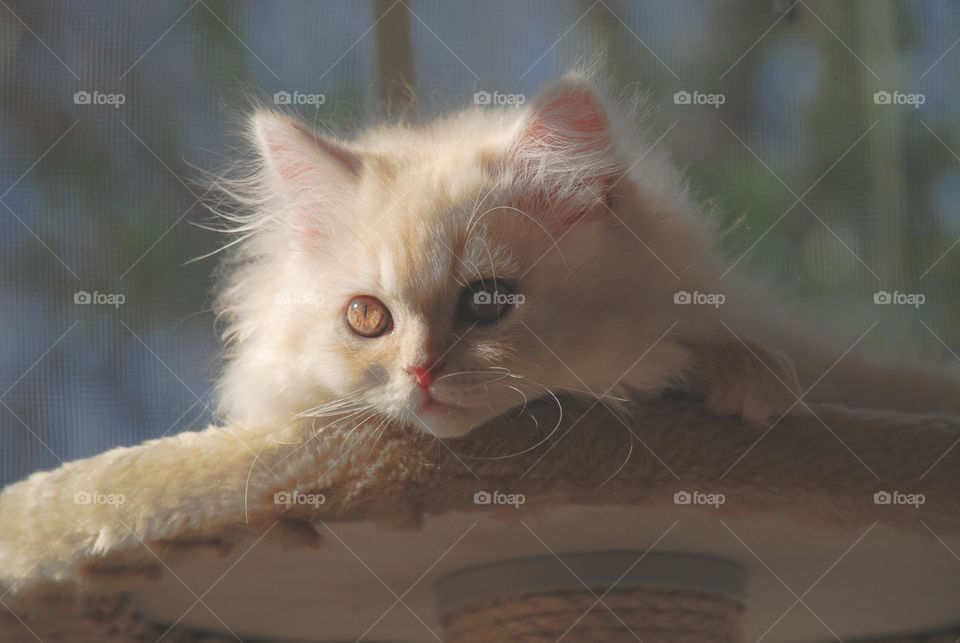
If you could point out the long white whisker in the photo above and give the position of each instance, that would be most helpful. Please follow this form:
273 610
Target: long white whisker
524 396
619 469
474 216
553 240
500 374
521 380
380 429
493 268
330 409
336 424
357 425
504 372
337 405
246 486
316 432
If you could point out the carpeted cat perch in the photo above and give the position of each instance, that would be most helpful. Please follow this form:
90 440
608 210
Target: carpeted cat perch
673 525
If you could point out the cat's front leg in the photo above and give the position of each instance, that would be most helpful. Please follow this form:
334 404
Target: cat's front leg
739 377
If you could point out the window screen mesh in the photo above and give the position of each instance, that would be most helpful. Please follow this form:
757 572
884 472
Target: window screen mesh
818 188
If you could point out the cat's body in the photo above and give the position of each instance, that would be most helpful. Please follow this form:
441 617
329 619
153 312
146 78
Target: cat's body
354 292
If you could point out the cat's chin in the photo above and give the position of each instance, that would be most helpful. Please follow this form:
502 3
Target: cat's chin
443 421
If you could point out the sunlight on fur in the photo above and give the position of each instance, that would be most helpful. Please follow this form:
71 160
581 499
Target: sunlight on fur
440 275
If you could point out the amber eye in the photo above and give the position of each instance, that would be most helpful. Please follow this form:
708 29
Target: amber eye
485 302
368 317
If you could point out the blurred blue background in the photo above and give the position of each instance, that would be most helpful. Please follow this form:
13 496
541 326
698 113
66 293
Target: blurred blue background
100 198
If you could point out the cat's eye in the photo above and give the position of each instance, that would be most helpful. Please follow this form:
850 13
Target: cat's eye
486 301
368 316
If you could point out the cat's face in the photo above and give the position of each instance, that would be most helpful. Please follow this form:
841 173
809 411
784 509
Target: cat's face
432 277
426 320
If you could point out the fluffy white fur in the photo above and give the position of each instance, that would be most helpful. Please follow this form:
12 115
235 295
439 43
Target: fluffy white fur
564 199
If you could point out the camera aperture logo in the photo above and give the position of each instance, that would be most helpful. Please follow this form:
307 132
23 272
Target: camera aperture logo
498 98
683 97
298 98
83 97
97 498
899 498
499 498
684 298
499 298
699 498
884 298
899 98
290 498
84 298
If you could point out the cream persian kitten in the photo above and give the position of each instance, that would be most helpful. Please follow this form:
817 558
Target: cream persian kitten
440 275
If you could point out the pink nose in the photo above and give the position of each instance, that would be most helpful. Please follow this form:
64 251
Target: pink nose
425 373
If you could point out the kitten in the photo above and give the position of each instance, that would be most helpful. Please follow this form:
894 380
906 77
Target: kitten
440 275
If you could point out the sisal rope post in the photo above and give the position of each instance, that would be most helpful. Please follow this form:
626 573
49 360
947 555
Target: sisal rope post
595 596
649 615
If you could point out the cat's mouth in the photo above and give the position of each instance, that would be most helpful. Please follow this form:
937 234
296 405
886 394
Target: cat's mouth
429 401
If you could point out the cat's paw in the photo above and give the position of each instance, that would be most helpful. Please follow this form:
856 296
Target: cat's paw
751 382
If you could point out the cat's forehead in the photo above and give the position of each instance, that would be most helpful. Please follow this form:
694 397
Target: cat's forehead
425 241
450 158
434 239
429 193
424 202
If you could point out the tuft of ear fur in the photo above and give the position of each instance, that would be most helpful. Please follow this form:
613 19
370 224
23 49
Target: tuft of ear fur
291 197
565 153
295 181
298 163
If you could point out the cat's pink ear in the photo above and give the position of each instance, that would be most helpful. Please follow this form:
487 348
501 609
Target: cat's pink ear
567 118
565 155
299 163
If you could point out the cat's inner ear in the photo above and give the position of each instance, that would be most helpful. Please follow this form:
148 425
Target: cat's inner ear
567 117
300 164
564 154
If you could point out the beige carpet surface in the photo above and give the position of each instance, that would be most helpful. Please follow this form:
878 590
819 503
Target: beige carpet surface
82 546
